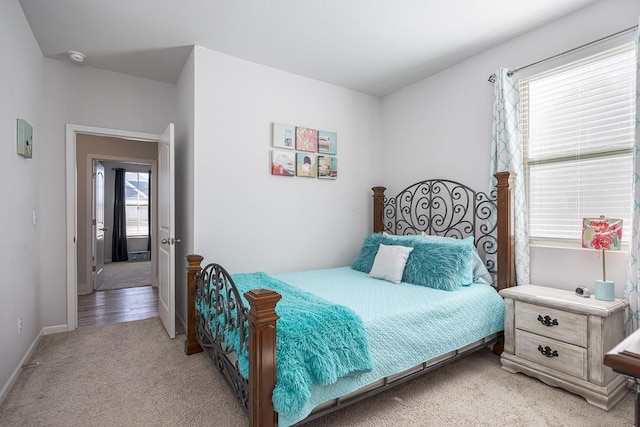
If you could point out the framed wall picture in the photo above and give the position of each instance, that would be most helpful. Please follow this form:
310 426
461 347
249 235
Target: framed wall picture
24 139
283 163
327 167
306 139
327 142
306 165
283 136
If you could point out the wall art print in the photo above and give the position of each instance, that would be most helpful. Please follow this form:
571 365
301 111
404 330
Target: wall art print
24 139
306 165
327 167
283 136
283 163
306 139
327 142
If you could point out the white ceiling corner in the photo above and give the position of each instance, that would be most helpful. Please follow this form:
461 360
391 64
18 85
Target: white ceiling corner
375 47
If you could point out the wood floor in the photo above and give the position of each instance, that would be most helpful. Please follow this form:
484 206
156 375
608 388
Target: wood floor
119 305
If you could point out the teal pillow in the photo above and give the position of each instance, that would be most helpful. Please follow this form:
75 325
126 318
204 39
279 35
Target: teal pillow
369 248
368 251
440 264
479 272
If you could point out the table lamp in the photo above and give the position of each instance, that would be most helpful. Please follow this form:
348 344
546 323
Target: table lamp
602 234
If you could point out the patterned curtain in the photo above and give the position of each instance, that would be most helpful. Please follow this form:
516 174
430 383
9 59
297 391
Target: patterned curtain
631 292
506 154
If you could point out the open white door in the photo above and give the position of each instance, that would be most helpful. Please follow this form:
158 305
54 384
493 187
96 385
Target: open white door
98 225
166 241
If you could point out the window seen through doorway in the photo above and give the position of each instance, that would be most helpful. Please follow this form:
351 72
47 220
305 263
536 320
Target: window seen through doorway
136 190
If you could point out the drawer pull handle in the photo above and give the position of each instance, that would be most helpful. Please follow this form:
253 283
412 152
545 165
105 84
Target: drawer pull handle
546 321
546 351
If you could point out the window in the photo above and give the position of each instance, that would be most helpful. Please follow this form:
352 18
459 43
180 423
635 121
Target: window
136 194
578 132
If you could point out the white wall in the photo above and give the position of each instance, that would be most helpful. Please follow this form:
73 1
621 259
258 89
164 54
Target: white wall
85 96
184 181
440 127
20 88
248 220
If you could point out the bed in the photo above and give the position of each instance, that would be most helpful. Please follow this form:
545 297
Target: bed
233 318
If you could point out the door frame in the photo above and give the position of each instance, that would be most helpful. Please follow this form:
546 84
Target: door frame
72 205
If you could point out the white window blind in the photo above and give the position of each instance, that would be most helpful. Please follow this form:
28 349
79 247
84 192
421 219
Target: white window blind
578 133
136 191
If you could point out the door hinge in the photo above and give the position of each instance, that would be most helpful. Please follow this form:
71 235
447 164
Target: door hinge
93 268
93 222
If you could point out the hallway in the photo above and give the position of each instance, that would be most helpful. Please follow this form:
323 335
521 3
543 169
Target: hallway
119 305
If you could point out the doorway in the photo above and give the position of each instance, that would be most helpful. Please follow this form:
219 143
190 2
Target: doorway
121 268
109 149
121 224
163 219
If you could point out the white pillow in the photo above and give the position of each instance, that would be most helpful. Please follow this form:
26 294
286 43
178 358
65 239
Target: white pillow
389 262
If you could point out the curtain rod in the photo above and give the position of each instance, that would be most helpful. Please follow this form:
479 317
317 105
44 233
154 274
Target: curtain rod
492 77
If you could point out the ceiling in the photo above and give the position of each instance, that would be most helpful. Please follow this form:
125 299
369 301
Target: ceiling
371 46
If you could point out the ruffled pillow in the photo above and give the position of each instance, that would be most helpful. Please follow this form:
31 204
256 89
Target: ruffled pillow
440 265
479 270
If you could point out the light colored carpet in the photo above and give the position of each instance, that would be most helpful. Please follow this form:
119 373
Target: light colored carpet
132 374
119 275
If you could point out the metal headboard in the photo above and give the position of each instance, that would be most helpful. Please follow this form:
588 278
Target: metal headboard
445 208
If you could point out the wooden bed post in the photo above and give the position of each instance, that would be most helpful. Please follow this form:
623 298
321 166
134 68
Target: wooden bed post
191 345
504 229
378 208
262 356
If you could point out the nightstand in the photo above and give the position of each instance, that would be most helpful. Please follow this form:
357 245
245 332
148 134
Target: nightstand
561 339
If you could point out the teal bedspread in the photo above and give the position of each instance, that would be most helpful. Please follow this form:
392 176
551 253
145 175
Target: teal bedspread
317 342
405 324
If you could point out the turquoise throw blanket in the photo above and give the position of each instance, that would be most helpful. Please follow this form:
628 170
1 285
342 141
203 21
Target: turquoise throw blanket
317 342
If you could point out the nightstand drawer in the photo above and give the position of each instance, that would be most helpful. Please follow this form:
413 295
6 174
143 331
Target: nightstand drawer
553 354
553 323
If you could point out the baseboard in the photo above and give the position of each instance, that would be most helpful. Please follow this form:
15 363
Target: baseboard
16 372
49 330
84 286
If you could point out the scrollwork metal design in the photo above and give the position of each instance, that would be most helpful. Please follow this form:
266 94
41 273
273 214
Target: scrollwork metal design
220 318
445 208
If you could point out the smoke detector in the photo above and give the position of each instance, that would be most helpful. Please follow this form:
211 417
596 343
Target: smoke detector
76 56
